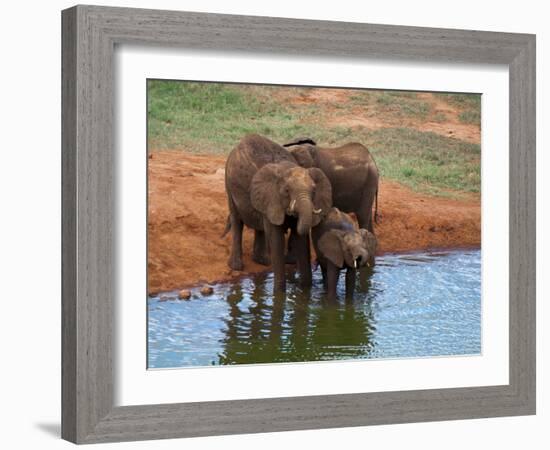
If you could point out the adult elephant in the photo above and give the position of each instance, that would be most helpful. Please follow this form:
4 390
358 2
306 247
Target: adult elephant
268 192
351 171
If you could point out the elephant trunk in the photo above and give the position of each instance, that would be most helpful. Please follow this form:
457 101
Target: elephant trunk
304 209
363 257
360 258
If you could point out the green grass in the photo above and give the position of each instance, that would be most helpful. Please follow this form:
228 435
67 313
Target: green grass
469 106
209 117
393 103
472 117
425 161
212 118
439 117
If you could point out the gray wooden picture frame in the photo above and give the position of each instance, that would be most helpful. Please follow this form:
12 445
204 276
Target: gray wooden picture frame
90 34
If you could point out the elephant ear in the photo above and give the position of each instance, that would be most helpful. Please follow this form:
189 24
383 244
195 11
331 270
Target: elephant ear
302 155
300 141
265 195
331 247
370 241
322 197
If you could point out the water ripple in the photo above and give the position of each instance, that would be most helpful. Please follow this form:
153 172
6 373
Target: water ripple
414 305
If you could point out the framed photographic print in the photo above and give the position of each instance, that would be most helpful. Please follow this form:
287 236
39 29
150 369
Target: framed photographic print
280 224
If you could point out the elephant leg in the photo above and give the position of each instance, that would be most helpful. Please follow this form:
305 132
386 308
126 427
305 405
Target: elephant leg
364 215
332 281
276 239
303 259
350 282
324 274
365 212
236 257
290 257
259 254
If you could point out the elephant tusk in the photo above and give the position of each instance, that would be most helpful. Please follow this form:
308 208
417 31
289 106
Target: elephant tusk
292 204
317 211
355 264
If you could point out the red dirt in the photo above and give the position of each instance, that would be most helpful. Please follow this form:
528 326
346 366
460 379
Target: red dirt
188 211
373 120
317 96
452 127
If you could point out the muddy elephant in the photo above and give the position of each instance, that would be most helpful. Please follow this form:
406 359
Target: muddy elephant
270 193
340 244
351 171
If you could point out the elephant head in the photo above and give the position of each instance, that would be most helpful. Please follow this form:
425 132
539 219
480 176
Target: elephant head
302 149
355 248
280 189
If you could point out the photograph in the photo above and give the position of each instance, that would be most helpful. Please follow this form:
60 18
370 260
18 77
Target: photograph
258 225
292 224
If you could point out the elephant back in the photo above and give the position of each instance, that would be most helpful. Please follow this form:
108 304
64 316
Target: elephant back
346 156
337 220
253 152
260 151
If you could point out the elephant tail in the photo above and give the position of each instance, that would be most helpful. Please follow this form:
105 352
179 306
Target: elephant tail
227 226
376 208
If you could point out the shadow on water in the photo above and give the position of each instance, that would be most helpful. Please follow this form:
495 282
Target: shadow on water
406 306
292 329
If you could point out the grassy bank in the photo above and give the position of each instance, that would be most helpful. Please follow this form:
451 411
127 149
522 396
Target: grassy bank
211 118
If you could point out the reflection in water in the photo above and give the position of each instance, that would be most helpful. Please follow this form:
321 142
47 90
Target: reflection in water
406 306
296 329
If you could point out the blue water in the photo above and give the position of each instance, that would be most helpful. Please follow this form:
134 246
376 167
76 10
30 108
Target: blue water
408 305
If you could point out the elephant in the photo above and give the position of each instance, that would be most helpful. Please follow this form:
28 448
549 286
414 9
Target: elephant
340 244
270 193
352 173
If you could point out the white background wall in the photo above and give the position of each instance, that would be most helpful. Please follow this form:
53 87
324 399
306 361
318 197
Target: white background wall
30 222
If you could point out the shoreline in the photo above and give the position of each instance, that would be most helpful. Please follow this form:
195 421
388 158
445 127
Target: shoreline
267 269
187 211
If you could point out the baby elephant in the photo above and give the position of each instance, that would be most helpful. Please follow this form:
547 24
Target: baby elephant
340 244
